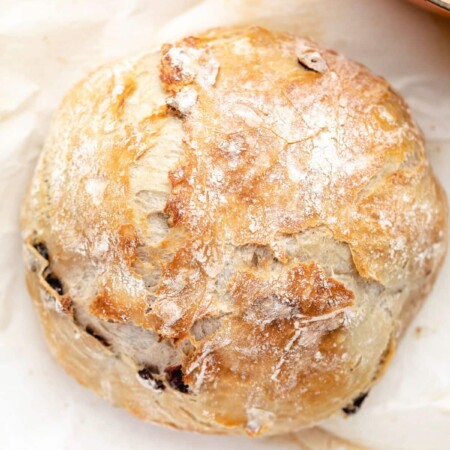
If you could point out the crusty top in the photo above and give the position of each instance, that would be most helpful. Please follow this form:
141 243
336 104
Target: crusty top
266 137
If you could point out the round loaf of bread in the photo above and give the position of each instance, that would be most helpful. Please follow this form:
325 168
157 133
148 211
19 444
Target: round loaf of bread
230 234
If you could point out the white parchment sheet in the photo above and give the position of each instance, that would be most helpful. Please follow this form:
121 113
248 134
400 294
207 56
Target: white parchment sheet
46 46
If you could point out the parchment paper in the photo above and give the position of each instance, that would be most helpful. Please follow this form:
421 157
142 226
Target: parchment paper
46 46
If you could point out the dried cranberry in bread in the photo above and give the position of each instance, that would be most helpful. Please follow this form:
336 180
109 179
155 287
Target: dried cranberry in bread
229 235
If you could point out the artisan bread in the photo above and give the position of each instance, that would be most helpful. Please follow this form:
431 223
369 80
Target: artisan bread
230 234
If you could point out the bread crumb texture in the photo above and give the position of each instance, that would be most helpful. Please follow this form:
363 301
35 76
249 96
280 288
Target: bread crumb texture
230 234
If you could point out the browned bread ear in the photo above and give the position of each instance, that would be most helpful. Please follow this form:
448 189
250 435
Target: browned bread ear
229 235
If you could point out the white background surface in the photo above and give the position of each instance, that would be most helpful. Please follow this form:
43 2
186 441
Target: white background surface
47 45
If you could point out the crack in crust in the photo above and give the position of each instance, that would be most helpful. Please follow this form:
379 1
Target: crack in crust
51 288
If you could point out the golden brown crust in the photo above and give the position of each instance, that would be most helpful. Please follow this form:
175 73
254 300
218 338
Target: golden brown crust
244 179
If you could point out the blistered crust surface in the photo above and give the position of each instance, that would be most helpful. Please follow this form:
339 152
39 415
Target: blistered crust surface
260 206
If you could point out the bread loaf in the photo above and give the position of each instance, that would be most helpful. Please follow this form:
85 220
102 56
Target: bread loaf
230 234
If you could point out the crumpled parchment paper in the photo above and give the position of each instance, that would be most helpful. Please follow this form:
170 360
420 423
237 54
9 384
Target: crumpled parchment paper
46 46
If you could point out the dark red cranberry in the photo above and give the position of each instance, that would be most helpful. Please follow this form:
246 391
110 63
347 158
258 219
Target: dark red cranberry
174 376
354 407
